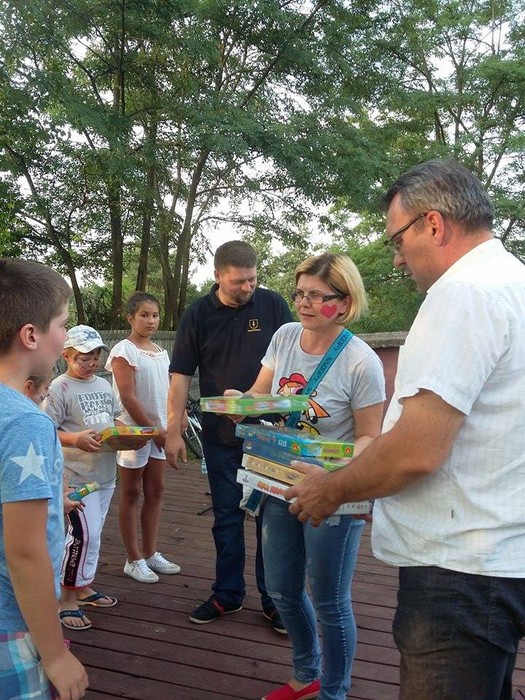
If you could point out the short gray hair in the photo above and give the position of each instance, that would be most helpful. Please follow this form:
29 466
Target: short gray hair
448 187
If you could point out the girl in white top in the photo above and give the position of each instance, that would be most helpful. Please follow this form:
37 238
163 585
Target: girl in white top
141 380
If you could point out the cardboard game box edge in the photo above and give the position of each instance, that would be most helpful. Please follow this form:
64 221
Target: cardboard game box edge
275 488
296 442
257 448
125 437
272 469
254 405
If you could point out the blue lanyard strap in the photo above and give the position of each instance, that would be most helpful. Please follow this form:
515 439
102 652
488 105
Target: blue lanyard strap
322 368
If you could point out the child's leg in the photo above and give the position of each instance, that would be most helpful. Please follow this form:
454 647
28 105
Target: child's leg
77 619
22 672
99 510
153 485
130 491
79 523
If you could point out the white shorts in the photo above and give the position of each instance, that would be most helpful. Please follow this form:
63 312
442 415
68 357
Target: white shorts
136 459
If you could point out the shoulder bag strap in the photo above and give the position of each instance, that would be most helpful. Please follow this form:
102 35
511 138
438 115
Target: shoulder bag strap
320 371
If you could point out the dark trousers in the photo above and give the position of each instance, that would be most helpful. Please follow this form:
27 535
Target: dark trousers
457 633
228 527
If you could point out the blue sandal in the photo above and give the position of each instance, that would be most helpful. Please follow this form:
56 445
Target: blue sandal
74 613
94 599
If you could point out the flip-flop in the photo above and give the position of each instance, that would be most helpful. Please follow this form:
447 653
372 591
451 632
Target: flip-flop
74 613
95 598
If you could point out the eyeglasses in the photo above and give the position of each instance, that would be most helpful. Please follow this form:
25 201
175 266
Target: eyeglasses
396 244
313 297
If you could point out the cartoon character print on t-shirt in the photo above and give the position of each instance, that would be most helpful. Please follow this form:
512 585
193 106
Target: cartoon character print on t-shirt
96 407
295 384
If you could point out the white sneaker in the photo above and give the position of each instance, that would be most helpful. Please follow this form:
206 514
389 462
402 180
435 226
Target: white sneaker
140 571
162 566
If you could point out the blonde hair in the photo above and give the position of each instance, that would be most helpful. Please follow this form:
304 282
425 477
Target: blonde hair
341 275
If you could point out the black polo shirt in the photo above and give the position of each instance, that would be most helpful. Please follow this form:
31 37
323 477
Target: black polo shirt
227 345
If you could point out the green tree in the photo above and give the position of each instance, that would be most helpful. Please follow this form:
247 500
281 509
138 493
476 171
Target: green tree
448 80
146 125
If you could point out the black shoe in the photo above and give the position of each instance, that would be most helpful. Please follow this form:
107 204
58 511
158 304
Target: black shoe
211 610
275 620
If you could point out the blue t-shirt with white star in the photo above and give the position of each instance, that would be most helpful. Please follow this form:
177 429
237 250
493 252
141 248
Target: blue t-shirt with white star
31 468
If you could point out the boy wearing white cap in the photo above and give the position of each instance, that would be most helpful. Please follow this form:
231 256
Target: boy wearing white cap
81 405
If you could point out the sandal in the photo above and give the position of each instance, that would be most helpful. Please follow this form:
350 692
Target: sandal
95 598
74 613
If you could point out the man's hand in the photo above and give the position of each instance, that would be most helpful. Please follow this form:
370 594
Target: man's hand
311 500
173 447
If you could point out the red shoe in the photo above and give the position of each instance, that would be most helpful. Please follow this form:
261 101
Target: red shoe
286 692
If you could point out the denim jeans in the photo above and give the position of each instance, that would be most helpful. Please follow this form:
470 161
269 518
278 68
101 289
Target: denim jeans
457 633
222 462
327 554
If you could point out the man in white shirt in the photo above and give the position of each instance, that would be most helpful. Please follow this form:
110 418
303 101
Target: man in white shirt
449 468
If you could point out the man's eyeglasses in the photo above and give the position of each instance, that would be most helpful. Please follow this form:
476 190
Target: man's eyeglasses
313 297
396 244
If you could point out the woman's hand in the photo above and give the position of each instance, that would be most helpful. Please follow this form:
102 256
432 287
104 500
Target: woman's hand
234 392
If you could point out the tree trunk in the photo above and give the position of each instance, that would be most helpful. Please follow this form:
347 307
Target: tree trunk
117 251
181 267
148 208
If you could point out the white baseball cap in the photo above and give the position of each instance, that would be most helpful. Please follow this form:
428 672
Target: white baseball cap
84 339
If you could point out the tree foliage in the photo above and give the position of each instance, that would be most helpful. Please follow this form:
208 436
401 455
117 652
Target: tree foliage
144 125
132 131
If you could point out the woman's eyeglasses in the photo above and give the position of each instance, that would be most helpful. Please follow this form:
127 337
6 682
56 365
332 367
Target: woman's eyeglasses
313 297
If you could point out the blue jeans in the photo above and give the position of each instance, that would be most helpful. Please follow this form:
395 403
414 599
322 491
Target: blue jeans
222 462
328 554
457 633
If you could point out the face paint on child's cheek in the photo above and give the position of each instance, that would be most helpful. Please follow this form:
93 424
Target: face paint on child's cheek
329 310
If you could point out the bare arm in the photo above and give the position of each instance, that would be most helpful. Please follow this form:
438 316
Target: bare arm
416 446
367 426
36 594
177 399
124 375
86 440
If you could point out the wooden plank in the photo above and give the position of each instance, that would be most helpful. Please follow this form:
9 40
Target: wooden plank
145 648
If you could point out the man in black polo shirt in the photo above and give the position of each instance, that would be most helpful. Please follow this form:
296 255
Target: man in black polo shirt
225 334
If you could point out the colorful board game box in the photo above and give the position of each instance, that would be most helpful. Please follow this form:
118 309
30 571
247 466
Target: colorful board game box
271 469
298 442
275 488
126 437
254 405
254 446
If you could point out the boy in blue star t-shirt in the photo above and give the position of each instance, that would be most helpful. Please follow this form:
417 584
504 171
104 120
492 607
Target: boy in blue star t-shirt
34 661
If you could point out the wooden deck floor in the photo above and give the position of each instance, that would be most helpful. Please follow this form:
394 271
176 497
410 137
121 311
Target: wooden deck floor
145 648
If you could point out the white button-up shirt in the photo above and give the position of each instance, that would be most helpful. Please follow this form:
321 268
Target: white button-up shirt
467 345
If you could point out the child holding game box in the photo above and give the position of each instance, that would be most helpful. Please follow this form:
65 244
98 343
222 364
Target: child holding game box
81 405
141 380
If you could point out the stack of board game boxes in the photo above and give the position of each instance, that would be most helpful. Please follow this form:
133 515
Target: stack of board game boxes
269 450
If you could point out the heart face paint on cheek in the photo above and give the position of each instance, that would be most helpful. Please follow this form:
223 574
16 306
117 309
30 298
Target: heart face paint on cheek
328 310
